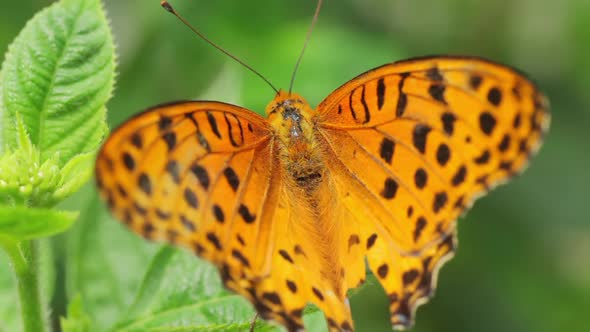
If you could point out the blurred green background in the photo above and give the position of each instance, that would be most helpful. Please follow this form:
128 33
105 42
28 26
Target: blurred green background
523 262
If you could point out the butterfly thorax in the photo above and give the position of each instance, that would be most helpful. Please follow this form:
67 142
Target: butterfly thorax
292 120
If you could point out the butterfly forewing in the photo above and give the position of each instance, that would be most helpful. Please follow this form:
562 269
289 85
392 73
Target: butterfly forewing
185 171
417 142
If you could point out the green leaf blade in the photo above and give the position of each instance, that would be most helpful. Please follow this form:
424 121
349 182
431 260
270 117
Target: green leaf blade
190 297
77 320
22 223
58 75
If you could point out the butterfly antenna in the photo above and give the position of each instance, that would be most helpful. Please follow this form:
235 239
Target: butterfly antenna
313 22
170 9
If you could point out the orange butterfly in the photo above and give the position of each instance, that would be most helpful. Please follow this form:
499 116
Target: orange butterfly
289 206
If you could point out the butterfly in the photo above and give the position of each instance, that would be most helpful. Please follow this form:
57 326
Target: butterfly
292 207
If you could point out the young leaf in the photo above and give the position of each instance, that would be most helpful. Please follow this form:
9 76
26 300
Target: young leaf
24 179
21 223
105 263
73 175
77 320
58 74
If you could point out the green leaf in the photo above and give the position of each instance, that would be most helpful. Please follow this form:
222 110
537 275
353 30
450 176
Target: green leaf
74 174
315 320
58 74
151 281
77 320
22 223
105 263
190 295
24 179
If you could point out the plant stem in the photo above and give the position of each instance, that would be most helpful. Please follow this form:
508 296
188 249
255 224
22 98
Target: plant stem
25 261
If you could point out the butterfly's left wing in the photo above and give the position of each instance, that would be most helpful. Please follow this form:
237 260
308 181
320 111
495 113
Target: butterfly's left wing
410 146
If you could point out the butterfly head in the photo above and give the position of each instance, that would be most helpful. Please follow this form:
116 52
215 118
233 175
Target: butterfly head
291 117
289 114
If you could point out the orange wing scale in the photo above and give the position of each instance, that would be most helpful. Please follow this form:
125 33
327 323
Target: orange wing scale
403 151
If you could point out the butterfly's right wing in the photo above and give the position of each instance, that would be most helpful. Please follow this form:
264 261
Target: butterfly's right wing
410 146
197 174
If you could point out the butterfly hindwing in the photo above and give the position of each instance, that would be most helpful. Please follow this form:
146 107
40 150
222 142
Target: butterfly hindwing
416 142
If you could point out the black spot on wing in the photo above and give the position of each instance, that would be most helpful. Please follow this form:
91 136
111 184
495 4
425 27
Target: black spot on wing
144 183
163 214
410 211
487 122
440 200
218 213
434 74
240 257
402 99
128 161
387 149
504 143
517 121
164 123
365 107
389 188
318 293
443 154
187 223
230 132
170 139
381 92
437 92
246 214
200 137
191 198
286 256
495 96
136 140
419 136
475 81
352 112
232 178
483 158
201 174
402 102
353 240
214 240
173 169
410 276
292 286
371 241
420 224
448 119
459 176
420 178
382 271
213 124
